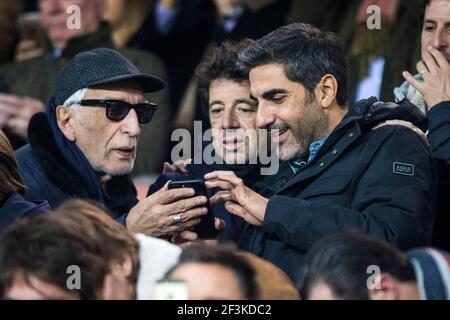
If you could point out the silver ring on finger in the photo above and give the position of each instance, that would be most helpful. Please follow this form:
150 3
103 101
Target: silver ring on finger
176 218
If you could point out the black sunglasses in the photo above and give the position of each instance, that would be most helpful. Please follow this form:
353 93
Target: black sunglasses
117 110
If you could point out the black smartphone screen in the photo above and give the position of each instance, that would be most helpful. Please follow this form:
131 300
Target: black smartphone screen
205 229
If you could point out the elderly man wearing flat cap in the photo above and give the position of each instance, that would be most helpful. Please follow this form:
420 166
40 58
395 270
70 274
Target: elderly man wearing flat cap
84 146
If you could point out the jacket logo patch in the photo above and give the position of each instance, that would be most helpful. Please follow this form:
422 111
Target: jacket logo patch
403 168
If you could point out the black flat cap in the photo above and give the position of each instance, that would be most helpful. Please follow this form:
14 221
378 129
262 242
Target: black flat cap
98 67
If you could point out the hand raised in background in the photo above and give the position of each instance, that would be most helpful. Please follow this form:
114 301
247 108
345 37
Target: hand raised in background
435 71
16 113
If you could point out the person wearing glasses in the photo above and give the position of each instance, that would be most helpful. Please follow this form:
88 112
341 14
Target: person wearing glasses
84 145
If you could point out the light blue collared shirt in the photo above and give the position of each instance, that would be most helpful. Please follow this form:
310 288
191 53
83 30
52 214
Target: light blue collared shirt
314 148
164 19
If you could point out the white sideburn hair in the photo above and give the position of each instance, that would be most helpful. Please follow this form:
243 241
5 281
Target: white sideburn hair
72 102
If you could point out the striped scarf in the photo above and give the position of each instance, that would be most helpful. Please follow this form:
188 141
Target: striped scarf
432 269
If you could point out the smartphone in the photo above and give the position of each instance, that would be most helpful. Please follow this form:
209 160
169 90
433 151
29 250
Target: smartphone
205 229
167 289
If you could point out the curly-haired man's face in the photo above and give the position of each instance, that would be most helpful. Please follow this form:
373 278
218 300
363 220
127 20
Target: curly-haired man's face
233 119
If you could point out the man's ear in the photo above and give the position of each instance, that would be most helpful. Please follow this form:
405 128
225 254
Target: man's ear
326 91
64 118
385 287
127 265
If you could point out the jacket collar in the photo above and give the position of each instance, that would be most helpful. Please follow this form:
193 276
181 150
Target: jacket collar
360 119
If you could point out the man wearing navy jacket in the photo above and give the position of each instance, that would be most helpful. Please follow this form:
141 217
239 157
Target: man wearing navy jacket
365 167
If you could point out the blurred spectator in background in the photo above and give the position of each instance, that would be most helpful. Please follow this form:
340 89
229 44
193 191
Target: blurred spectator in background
234 20
375 56
15 114
215 273
351 266
12 189
80 245
431 86
34 77
151 258
65 248
272 282
239 19
252 19
72 147
85 145
110 241
175 30
178 31
269 282
430 91
29 26
126 18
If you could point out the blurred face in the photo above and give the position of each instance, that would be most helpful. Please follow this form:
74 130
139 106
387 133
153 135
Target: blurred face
56 18
285 106
209 281
436 28
233 119
109 146
33 288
